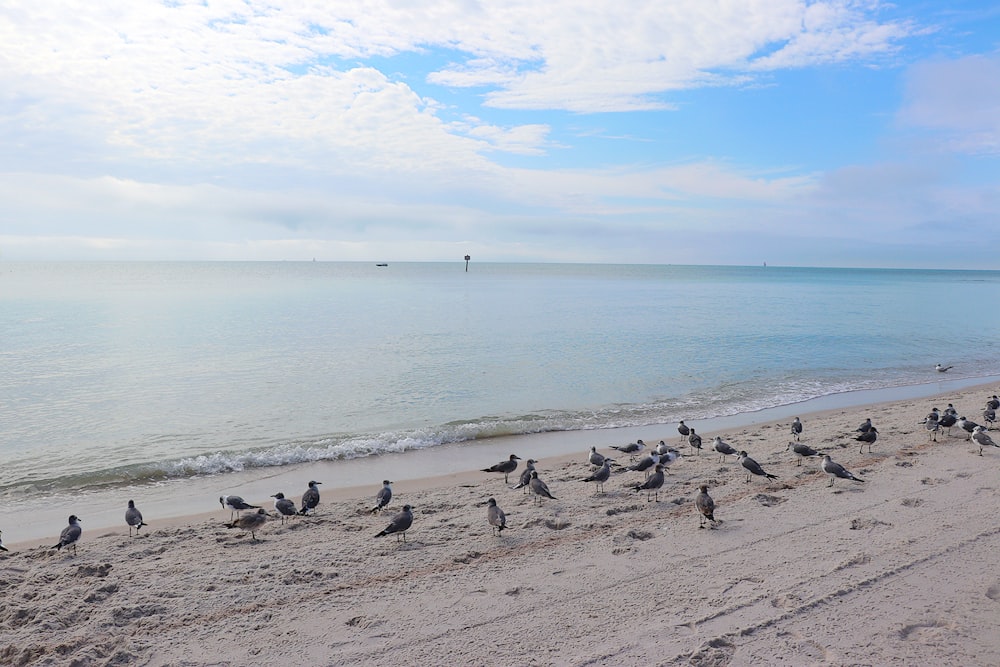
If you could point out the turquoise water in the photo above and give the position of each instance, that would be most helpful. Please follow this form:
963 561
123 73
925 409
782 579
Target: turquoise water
125 374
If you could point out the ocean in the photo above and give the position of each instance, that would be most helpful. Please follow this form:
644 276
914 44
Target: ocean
161 380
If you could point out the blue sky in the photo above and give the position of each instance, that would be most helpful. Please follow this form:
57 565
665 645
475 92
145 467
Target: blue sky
841 133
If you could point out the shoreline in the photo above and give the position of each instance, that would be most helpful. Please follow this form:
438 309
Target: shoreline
174 503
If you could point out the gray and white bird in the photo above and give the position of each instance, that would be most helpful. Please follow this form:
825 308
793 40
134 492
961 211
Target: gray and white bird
663 448
2 547
400 523
529 467
705 505
505 467
383 496
70 534
668 458
596 458
866 426
983 439
796 428
950 410
835 470
993 403
310 499
694 440
495 516
250 523
942 369
966 425
932 423
645 464
133 517
801 451
723 448
600 476
285 507
684 430
989 416
947 420
632 449
868 437
652 485
235 505
753 468
539 488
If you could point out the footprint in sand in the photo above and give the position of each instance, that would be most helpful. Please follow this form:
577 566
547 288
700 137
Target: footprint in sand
716 652
993 592
769 501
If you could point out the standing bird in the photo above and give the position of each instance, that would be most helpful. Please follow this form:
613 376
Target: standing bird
285 507
966 425
631 449
868 437
993 403
645 463
235 504
983 439
694 440
133 517
796 428
399 524
683 429
668 458
866 426
753 468
539 488
70 534
989 416
506 467
249 523
724 448
835 470
931 423
525 480
652 484
600 476
496 517
943 369
801 451
383 496
950 410
310 499
596 459
2 547
947 420
706 506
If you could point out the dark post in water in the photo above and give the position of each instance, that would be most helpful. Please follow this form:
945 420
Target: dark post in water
467 258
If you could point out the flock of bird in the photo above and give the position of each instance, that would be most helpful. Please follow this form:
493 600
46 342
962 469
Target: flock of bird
654 465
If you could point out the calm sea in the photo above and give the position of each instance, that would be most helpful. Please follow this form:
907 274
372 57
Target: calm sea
117 375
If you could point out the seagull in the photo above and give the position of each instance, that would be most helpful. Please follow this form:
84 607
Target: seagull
931 423
753 468
249 523
2 547
989 416
596 459
310 499
993 403
966 424
947 420
506 467
631 449
399 524
835 470
796 428
866 426
668 458
652 484
284 506
663 448
983 439
723 448
496 517
683 429
695 440
525 480
646 463
235 505
133 517
706 506
601 476
539 488
950 410
943 369
383 496
70 534
868 437
801 451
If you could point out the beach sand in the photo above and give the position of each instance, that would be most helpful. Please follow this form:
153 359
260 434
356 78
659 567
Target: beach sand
898 570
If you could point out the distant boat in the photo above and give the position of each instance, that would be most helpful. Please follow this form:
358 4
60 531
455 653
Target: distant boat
381 264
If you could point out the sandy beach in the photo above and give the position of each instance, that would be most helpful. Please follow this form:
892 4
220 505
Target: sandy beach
897 570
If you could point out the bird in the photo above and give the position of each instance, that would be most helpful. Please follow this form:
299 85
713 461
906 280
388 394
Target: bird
249 523
596 459
866 426
668 458
600 476
950 410
989 416
705 505
683 429
539 488
133 517
694 440
506 467
993 403
645 463
70 534
525 480
235 505
966 425
835 470
631 449
2 547
723 447
983 439
931 423
284 506
663 448
801 451
753 468
943 369
399 524
310 499
383 496
796 428
652 484
868 437
495 516
947 420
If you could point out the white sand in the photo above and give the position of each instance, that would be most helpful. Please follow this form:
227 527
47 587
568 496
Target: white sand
900 570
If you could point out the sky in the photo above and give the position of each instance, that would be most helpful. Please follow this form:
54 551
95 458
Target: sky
831 133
